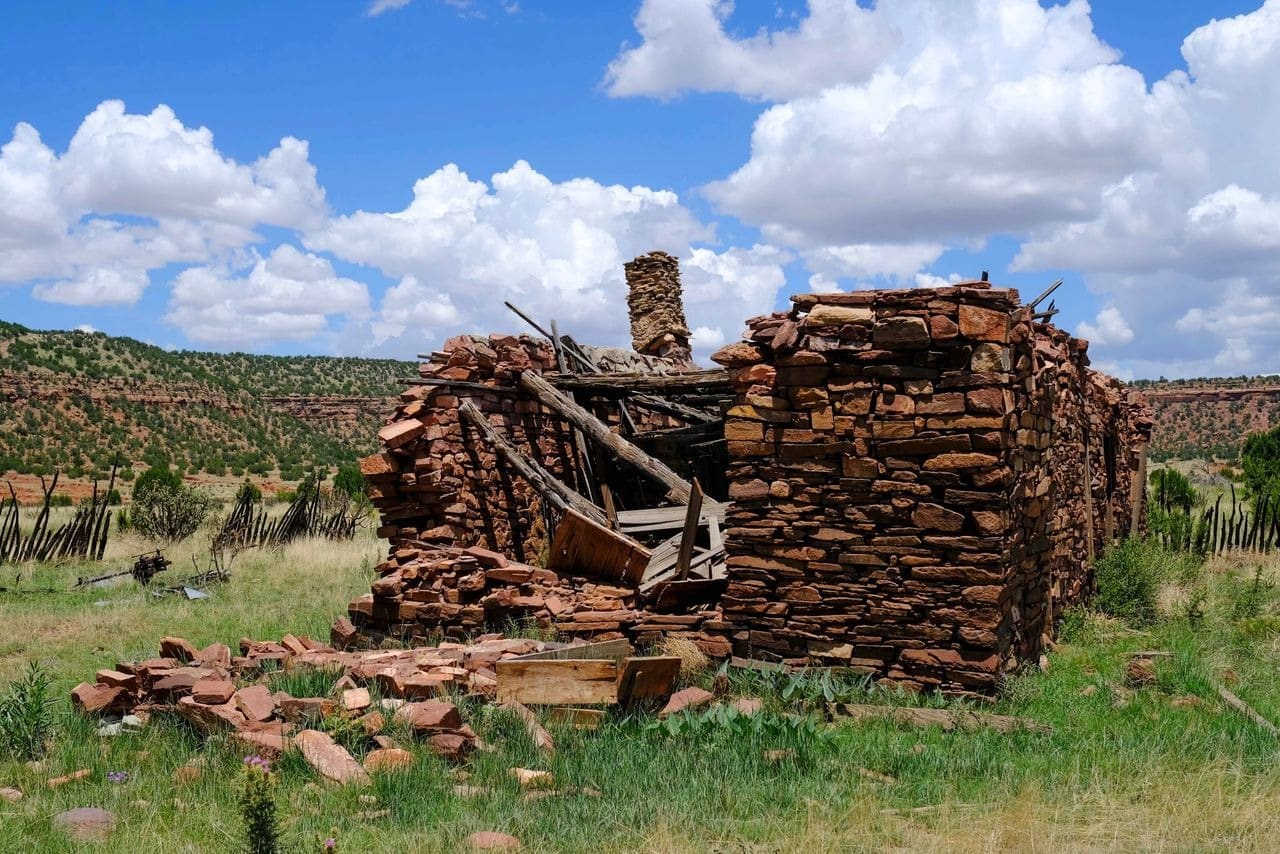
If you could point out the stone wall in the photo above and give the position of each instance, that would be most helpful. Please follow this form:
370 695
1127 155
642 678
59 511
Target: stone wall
437 481
893 473
918 481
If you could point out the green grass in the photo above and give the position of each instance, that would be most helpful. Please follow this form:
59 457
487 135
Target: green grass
1123 769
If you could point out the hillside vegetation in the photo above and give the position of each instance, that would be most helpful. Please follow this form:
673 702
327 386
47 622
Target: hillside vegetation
72 400
1209 417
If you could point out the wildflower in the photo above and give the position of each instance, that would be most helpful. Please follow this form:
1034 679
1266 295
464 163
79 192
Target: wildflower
117 776
258 762
330 844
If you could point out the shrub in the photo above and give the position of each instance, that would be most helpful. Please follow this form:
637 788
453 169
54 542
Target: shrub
160 514
1260 462
348 480
154 479
61 500
26 715
1128 578
1248 600
250 491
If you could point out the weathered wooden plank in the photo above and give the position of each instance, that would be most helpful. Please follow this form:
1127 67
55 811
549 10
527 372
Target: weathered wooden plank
685 553
668 518
613 650
585 546
576 718
541 738
645 677
678 488
557 683
716 379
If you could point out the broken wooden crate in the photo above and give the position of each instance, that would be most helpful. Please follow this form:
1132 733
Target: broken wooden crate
592 674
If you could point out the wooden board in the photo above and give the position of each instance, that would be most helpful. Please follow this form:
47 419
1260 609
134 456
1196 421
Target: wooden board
576 718
557 683
647 676
582 546
667 518
613 650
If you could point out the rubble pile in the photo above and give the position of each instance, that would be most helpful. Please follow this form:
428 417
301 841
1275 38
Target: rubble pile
426 592
220 692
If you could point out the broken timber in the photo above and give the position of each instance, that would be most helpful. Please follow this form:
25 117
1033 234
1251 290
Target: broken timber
678 489
693 382
548 485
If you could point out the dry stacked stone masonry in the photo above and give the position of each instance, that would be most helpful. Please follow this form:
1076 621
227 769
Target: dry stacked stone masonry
655 303
918 480
902 501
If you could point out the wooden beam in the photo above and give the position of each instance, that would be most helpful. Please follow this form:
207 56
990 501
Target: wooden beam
544 482
672 408
1245 709
678 489
433 381
692 514
693 381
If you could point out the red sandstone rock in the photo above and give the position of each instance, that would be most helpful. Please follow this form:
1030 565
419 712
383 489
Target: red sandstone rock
330 759
687 698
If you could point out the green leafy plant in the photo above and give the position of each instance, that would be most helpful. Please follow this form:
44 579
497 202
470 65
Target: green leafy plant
171 516
1248 600
26 715
348 480
724 725
1128 578
157 478
258 808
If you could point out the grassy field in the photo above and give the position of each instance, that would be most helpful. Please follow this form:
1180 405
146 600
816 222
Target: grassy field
1166 767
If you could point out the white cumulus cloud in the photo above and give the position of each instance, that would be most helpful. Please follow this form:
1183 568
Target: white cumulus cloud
956 121
133 193
555 249
1109 327
288 296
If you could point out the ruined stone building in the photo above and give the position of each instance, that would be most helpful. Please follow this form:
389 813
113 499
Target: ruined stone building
910 483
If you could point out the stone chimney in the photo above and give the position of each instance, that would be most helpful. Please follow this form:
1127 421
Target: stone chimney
656 306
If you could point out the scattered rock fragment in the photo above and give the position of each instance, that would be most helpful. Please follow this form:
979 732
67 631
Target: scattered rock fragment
10 795
1140 673
688 698
86 824
531 779
73 777
489 840
330 759
387 759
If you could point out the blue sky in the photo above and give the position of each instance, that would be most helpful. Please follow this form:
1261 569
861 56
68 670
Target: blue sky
606 92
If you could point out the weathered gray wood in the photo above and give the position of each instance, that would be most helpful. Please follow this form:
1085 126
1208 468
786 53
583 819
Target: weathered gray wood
547 485
690 532
1248 711
656 383
678 489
